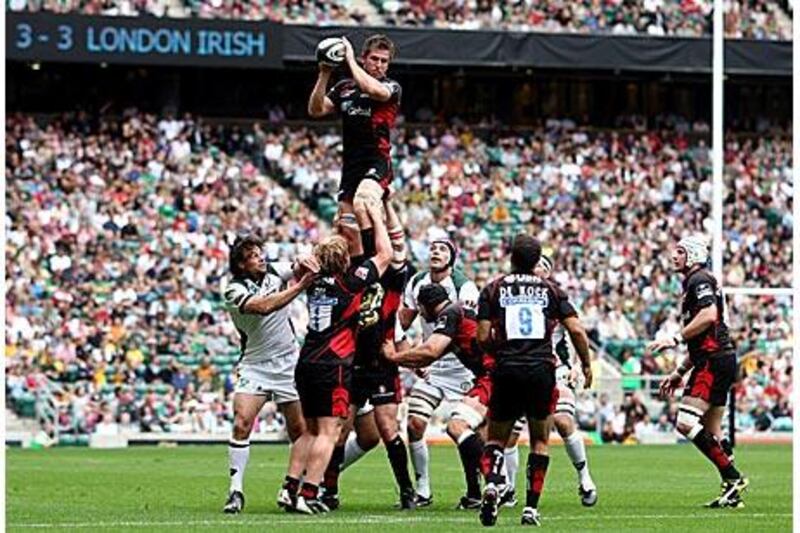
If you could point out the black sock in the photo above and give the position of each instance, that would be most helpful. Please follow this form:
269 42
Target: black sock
537 470
708 445
368 242
493 464
727 448
291 484
470 451
331 478
309 491
398 458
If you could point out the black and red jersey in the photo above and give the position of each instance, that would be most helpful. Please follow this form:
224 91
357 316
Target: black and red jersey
378 315
524 310
366 123
333 311
700 290
461 325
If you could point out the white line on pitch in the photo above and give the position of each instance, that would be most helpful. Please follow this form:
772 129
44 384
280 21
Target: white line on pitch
379 519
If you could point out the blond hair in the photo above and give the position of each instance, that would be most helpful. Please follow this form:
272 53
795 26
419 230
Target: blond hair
333 254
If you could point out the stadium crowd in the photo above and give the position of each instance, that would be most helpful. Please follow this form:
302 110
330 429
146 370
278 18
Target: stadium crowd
120 227
748 19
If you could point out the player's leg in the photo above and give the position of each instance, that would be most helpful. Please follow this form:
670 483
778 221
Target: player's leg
538 462
468 415
708 387
327 432
245 410
363 439
511 455
712 421
330 479
540 408
564 420
385 417
493 464
422 401
298 457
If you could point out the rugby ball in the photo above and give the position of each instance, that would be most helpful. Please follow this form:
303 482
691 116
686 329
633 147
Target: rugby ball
330 51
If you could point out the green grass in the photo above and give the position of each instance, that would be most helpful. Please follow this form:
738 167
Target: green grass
641 488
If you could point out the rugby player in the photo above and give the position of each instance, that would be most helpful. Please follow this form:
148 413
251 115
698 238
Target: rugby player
712 361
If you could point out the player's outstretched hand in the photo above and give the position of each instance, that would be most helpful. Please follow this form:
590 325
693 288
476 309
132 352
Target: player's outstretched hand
349 53
660 344
669 384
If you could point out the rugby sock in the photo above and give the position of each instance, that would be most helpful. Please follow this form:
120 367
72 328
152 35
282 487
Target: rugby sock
470 448
238 454
292 484
537 470
727 448
576 451
711 448
309 491
492 464
419 458
398 458
352 451
512 466
368 242
331 476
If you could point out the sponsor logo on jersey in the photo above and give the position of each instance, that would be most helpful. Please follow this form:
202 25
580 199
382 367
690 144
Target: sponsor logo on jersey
523 295
703 291
362 273
353 110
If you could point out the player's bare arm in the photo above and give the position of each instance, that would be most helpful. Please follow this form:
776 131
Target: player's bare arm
383 246
319 104
264 305
375 89
421 355
485 334
580 340
700 323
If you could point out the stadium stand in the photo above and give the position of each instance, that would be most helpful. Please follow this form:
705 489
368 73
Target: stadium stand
133 213
745 19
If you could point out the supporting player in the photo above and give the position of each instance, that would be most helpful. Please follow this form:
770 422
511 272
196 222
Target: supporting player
516 316
377 390
712 360
447 378
455 332
564 417
369 103
257 299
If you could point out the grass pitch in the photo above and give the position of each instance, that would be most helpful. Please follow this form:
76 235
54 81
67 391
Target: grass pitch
160 489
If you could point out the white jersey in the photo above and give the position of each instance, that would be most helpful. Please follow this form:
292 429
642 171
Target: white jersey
459 289
263 337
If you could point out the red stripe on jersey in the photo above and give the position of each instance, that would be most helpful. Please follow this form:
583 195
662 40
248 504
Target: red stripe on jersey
343 344
384 114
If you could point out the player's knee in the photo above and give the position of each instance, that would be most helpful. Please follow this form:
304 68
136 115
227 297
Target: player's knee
688 423
565 425
455 427
295 428
539 446
242 426
416 428
387 429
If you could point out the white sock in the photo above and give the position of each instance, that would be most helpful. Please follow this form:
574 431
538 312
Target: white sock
512 466
238 454
352 451
419 458
577 454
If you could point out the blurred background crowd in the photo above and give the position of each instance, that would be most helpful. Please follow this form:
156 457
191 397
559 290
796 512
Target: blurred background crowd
117 232
744 19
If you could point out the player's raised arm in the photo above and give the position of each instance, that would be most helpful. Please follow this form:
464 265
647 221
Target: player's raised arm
319 104
378 60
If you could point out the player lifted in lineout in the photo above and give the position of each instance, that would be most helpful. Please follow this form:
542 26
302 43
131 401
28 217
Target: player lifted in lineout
257 299
517 314
368 102
712 361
